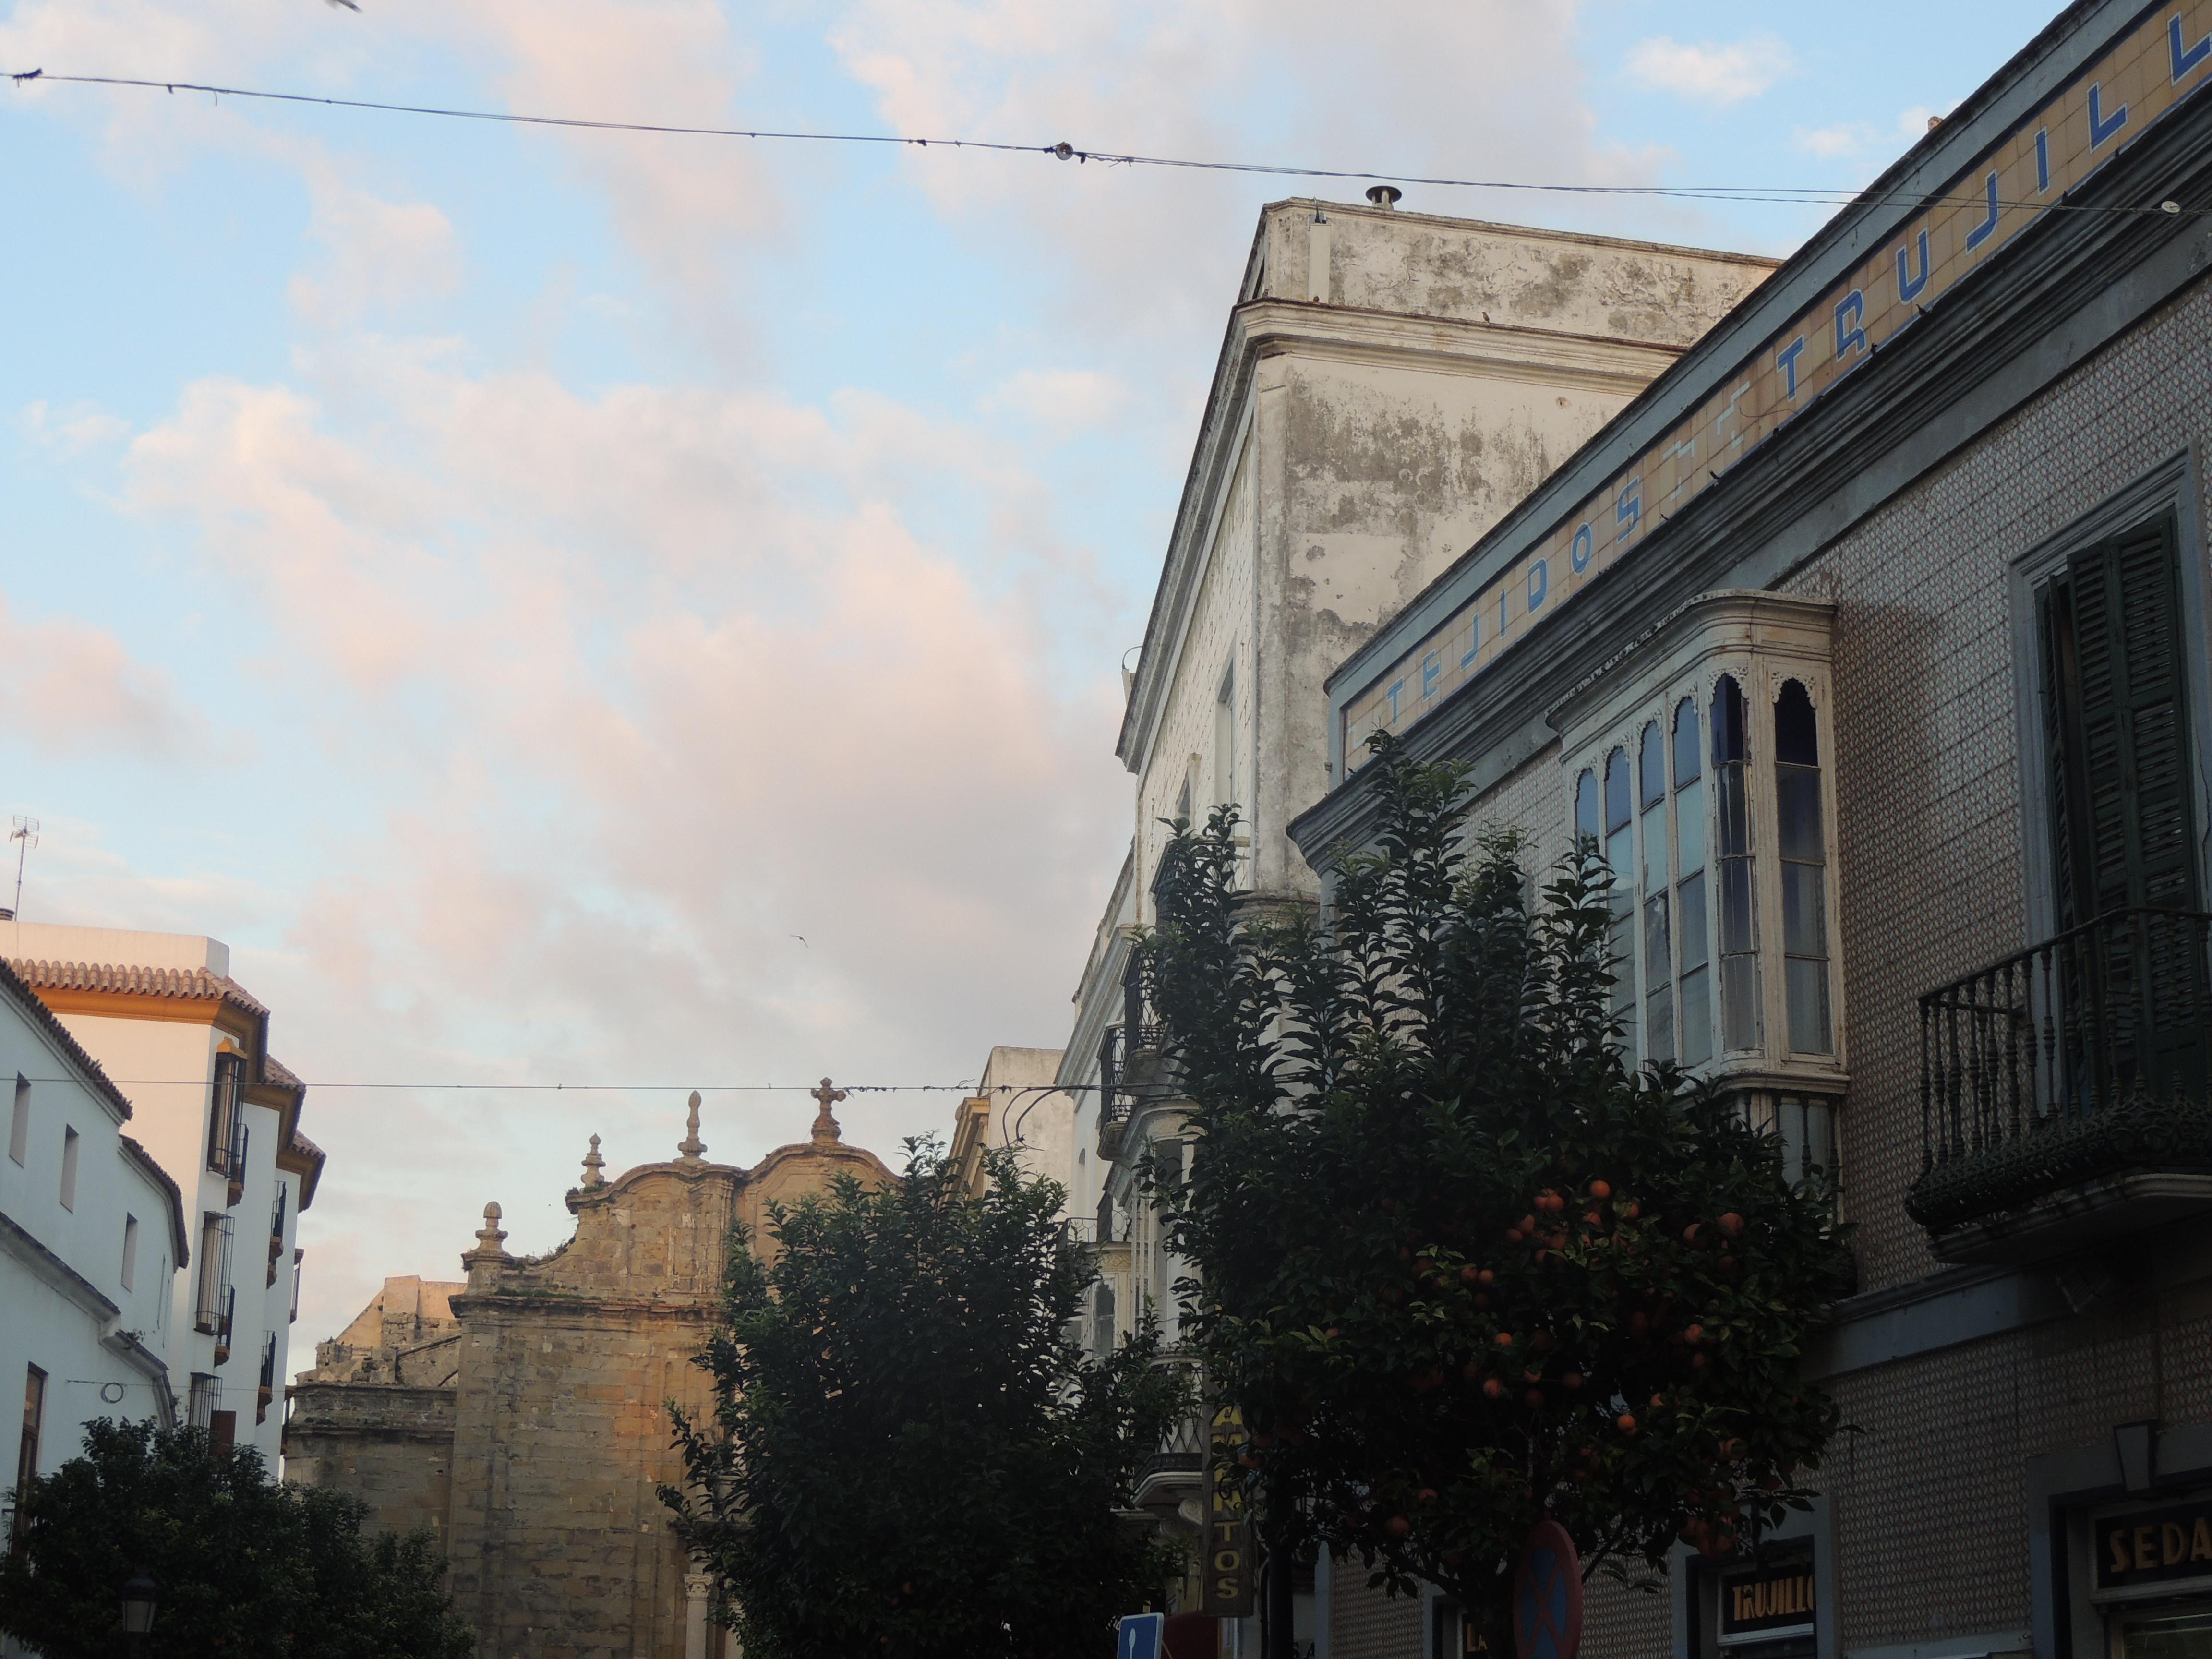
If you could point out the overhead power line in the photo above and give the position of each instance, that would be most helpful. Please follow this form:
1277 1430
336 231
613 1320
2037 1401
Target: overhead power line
1786 195
619 1088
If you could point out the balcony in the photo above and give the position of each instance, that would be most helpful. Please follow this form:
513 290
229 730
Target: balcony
1177 1469
2063 1091
1128 1055
266 1391
276 1233
225 1317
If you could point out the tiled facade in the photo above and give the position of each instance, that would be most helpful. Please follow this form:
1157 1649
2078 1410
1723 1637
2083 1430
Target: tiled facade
2007 1394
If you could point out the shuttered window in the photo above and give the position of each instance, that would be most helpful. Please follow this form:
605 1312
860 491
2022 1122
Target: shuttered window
2118 718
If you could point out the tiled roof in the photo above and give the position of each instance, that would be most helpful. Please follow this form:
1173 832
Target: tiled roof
189 984
275 1071
13 982
306 1147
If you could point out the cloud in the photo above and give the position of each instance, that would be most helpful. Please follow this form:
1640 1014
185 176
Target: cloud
1853 141
1711 72
70 687
1062 400
648 680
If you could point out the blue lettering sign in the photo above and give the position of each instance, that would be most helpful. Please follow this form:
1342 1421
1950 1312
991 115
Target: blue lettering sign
2184 61
1474 638
1539 583
1628 511
1907 287
1786 361
1852 309
2100 127
1580 555
2042 160
1432 670
1982 232
1397 687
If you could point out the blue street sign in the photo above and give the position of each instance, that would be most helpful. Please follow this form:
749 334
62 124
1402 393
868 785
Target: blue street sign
1141 1636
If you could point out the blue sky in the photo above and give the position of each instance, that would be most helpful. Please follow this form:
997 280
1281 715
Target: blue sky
511 583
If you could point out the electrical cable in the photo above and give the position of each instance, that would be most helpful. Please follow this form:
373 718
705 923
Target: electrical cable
608 1088
1784 195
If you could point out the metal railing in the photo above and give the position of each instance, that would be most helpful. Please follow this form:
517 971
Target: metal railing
226 1319
2039 1069
1113 1101
276 1231
1182 1451
266 1391
1141 1017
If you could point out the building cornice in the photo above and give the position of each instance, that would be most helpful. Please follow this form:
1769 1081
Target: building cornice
1262 329
19 1242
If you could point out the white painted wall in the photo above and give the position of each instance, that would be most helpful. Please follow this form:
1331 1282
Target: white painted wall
166 1068
67 1309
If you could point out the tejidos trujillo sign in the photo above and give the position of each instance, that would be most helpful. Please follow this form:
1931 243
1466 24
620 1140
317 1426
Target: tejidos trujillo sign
2154 1546
1229 1568
1766 1602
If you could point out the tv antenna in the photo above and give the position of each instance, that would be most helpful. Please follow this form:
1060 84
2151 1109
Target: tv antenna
25 835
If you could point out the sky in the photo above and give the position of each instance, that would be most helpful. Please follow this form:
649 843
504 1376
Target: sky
621 609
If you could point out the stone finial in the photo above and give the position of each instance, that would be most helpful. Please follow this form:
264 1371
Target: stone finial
691 1145
592 1164
825 1121
484 1262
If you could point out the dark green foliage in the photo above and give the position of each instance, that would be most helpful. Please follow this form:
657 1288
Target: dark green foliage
246 1567
910 1456
1458 1265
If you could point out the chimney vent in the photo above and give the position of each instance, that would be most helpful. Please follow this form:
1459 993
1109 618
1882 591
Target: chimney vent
1384 195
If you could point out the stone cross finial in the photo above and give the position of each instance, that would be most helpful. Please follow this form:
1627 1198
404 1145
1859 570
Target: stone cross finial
825 1121
592 1164
489 1236
691 1145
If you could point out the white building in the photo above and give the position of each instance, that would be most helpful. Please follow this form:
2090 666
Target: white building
92 1240
190 1046
1391 386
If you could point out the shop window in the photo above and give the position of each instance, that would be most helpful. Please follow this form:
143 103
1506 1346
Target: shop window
2150 1579
1739 916
1762 1605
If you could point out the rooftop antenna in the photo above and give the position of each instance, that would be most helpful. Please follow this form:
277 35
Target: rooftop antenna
25 835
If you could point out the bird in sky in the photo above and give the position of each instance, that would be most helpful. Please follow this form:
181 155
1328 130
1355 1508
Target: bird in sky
350 5
801 937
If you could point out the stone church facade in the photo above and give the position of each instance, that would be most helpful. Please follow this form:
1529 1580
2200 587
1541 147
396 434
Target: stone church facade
523 1415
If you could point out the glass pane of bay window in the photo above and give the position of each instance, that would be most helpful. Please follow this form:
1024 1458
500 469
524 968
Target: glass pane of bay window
1621 855
1804 870
1739 927
1694 986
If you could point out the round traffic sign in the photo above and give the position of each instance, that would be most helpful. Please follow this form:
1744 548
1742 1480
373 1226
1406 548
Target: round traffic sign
1548 1595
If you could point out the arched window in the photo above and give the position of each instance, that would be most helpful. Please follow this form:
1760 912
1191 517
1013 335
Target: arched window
1658 946
1803 859
1621 854
1694 944
1738 928
1586 818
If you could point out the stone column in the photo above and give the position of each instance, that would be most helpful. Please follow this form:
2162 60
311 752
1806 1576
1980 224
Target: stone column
698 1588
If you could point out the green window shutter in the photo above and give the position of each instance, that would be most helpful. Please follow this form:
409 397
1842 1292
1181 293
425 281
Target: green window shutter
2124 827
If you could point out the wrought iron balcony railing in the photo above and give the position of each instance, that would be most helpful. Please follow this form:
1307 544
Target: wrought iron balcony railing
2081 1058
225 1320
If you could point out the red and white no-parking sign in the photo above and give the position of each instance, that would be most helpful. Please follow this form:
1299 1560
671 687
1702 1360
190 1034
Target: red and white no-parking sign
1548 1595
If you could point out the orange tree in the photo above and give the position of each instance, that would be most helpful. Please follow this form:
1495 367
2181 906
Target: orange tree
1460 1265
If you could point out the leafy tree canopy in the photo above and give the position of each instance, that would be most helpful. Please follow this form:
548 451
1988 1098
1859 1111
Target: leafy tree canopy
1460 1267
246 1567
910 1456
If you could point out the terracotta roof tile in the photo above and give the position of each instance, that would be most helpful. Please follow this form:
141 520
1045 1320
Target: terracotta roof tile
275 1071
192 984
13 982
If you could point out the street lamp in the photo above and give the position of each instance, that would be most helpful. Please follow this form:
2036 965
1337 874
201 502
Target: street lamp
140 1596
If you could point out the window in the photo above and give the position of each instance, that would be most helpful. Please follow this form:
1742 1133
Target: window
34 1415
1695 984
1658 947
1101 1320
214 1283
1224 740
1740 1023
201 1404
19 1126
1621 858
226 1113
130 1252
69 1142
1801 849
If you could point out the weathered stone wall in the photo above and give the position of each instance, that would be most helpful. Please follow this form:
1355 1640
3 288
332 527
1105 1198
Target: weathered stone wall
392 1447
